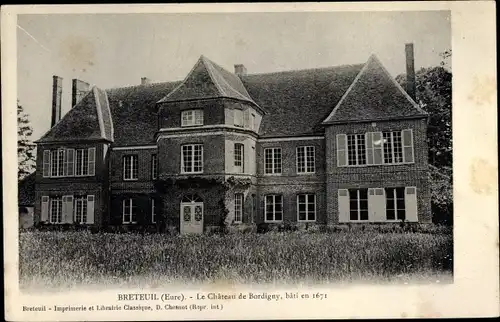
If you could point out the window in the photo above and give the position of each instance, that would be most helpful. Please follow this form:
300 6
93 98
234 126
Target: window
358 204
154 166
272 161
356 152
192 118
130 167
192 158
82 161
57 163
375 148
239 157
395 203
306 207
305 159
238 207
393 147
153 211
238 118
55 210
62 163
129 211
273 208
80 210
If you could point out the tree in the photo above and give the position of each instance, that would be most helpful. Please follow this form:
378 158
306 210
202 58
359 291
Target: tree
25 148
433 94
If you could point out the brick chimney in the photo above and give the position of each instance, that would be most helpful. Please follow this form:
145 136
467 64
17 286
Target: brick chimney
240 70
410 72
145 81
56 99
78 90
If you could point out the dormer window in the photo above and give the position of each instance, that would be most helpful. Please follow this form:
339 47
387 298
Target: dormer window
192 118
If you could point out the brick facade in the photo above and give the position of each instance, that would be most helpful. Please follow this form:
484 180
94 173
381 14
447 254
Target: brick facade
221 177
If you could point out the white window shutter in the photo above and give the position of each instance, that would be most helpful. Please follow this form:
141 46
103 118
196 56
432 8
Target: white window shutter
91 164
44 214
379 205
90 209
67 209
343 199
408 154
411 204
377 142
372 204
341 150
70 162
46 163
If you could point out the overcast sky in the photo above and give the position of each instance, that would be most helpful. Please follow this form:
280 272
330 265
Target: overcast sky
117 50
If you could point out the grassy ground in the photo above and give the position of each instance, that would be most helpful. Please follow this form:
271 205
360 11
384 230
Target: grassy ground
63 259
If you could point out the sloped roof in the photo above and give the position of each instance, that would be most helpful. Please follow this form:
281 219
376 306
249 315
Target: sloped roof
87 120
26 190
134 112
374 95
208 80
298 101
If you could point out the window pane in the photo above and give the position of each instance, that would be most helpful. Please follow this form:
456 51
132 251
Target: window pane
361 149
390 214
351 149
400 193
364 215
401 214
353 215
353 204
398 147
387 147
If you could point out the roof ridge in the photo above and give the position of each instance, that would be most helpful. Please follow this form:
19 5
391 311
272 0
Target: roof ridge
210 68
141 85
242 96
358 76
99 111
302 70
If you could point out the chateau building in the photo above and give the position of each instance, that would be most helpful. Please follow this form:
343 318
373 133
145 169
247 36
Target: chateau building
342 144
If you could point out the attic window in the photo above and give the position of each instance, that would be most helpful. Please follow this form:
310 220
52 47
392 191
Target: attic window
192 118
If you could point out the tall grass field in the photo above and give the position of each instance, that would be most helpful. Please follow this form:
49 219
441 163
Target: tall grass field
67 259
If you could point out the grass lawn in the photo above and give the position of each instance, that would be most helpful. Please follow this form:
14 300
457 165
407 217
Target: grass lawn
67 259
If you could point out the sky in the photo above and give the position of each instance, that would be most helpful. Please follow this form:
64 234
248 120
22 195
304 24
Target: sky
115 50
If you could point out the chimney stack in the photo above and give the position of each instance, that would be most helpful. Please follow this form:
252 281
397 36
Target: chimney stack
56 99
78 90
145 81
410 72
240 70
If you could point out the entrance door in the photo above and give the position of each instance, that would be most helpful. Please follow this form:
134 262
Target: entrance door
191 215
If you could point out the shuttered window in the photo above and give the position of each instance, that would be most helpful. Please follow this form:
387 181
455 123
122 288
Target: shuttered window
375 148
55 216
80 209
65 162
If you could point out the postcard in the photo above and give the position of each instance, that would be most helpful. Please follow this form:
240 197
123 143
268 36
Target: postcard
250 161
